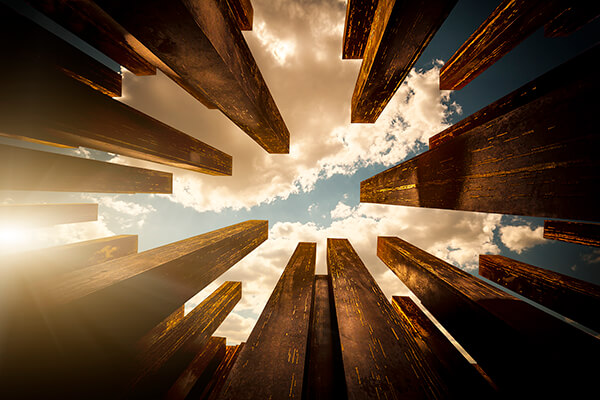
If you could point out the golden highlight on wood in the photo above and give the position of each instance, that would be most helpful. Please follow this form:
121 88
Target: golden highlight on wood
573 232
359 17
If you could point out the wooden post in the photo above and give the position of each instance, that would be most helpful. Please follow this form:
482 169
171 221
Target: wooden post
243 12
25 169
278 343
566 295
536 160
359 17
519 346
399 33
38 215
573 232
208 52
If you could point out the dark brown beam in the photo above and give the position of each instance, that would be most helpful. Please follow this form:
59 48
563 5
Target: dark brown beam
164 326
207 50
400 32
572 18
25 169
36 45
519 346
38 215
214 387
243 13
162 359
573 232
566 295
508 25
271 364
536 160
86 20
359 17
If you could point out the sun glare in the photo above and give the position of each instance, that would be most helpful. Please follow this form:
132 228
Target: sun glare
12 236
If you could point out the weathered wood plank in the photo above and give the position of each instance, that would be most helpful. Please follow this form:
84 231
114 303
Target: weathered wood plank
162 359
519 346
566 295
572 18
243 13
162 329
25 169
573 232
536 160
86 20
207 50
38 215
399 33
36 45
214 387
359 17
271 364
380 358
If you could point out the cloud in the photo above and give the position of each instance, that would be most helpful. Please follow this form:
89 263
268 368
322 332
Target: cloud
521 237
341 210
592 258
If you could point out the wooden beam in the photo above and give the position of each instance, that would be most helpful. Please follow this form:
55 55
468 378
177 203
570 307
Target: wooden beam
536 160
278 343
39 215
243 13
86 20
566 295
162 359
162 329
359 17
519 346
215 386
25 169
572 18
207 50
36 45
573 232
400 32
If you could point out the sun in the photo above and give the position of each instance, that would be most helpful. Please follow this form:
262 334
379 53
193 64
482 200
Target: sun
11 236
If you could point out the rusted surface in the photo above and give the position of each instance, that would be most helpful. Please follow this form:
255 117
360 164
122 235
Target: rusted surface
359 17
201 42
162 359
37 215
36 45
572 18
536 160
400 32
519 346
271 364
215 385
573 232
25 169
508 25
243 13
568 296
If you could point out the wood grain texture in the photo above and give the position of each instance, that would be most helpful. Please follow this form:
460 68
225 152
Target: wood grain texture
572 18
201 42
161 360
271 364
359 17
37 45
536 160
25 169
38 215
573 232
86 20
215 385
380 359
399 33
495 328
243 13
508 25
571 297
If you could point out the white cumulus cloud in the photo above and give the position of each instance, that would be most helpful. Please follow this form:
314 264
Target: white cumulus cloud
521 237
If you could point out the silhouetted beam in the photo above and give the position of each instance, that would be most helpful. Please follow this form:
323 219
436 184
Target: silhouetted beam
25 169
566 295
161 360
400 32
86 20
537 160
214 387
243 13
519 346
439 352
208 51
569 73
573 232
38 215
359 17
508 25
199 372
36 45
271 364
572 18
380 357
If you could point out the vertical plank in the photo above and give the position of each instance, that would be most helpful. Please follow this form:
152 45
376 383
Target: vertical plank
243 13
215 386
25 169
357 26
271 364
39 215
566 295
399 33
573 232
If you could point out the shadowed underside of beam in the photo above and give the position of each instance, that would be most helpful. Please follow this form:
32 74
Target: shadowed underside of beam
38 215
573 232
572 18
243 12
215 385
359 17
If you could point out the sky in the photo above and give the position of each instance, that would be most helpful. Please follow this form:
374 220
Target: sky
313 193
